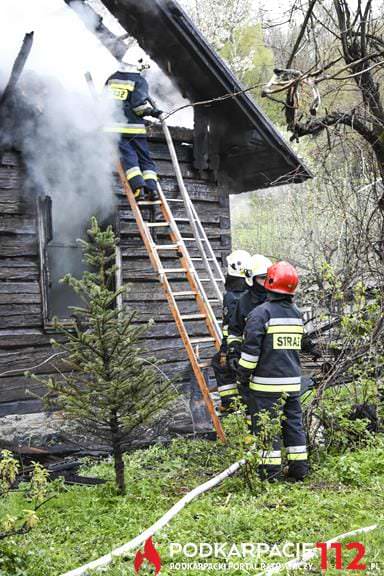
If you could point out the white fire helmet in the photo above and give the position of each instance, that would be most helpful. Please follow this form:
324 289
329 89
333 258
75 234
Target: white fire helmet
143 63
258 267
238 261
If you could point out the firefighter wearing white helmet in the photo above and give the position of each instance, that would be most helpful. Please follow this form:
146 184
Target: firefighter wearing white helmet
129 90
238 262
256 294
255 274
257 270
235 286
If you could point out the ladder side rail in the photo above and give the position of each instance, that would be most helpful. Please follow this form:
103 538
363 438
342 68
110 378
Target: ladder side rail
143 229
157 265
193 360
187 200
207 244
193 278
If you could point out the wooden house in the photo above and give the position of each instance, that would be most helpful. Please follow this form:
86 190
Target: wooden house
233 148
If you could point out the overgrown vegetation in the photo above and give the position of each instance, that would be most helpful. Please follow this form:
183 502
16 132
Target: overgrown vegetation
33 494
105 384
82 523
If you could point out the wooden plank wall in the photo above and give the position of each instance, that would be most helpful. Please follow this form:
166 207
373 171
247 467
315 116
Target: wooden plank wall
23 342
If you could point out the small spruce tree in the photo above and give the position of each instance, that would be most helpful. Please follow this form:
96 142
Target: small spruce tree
110 388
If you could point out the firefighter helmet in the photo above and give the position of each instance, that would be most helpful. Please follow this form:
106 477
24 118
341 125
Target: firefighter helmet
282 278
258 267
238 262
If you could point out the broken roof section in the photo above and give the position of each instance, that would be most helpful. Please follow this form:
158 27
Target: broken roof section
233 137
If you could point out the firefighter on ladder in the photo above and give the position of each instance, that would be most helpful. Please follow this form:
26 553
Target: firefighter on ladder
255 295
235 286
270 368
130 91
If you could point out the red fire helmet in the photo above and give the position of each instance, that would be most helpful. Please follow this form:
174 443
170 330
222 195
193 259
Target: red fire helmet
282 278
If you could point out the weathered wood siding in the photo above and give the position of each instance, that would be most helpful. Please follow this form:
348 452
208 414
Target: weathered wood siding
23 342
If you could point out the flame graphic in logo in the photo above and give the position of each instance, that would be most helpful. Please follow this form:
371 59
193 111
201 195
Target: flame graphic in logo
150 554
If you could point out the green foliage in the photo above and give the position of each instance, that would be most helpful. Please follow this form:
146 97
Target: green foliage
108 387
252 63
19 520
80 525
242 445
9 468
38 485
233 30
339 431
352 375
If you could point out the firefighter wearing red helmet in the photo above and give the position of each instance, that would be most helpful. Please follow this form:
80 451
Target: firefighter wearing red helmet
270 366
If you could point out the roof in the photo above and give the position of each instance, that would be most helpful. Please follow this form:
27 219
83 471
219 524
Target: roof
233 137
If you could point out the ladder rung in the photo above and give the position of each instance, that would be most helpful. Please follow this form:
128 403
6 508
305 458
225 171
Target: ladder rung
193 317
176 294
188 239
156 224
200 340
182 219
175 200
167 246
213 300
149 202
209 280
205 364
193 238
200 259
170 270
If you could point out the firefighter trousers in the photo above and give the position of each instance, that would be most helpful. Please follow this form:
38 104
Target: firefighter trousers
289 412
226 381
138 165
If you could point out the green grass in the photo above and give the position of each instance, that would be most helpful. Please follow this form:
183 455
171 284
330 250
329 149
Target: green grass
83 523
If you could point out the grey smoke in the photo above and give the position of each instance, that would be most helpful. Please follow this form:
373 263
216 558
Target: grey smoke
168 97
68 155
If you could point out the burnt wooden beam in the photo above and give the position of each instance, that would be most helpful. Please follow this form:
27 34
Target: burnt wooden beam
17 69
115 44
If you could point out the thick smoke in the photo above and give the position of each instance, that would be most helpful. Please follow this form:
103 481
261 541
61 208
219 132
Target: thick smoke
58 125
168 97
55 122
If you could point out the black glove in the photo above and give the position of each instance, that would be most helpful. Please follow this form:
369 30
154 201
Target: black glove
233 355
316 354
155 113
243 375
233 363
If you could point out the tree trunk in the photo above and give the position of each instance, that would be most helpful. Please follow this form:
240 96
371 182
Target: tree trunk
119 467
379 152
117 452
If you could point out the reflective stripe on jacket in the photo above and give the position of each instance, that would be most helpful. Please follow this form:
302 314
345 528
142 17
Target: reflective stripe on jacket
270 351
130 91
231 298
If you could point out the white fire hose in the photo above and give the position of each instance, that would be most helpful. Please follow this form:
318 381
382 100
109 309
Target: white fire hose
163 521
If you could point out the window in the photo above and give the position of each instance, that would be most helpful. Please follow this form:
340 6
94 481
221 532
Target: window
60 254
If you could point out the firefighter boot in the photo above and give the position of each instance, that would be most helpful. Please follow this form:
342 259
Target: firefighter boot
153 195
139 194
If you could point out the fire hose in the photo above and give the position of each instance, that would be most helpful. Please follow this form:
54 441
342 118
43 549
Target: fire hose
163 521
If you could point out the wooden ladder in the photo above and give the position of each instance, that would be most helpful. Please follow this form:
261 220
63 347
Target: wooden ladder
196 292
